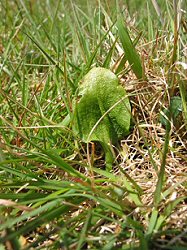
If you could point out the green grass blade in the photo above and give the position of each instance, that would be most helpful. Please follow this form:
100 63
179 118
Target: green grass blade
183 93
160 182
152 222
45 53
84 230
10 222
131 54
55 158
108 58
150 24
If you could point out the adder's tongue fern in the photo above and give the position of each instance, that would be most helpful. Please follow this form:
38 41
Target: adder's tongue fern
103 111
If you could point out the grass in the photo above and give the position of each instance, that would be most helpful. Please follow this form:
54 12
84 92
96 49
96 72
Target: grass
53 194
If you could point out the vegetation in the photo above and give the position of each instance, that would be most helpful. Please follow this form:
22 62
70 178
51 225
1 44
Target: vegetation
102 111
55 189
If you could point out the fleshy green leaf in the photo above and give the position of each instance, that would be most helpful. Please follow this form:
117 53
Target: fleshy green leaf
103 111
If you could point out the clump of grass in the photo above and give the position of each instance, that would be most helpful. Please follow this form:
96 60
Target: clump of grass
48 198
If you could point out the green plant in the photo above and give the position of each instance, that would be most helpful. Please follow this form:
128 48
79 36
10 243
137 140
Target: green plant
102 110
48 199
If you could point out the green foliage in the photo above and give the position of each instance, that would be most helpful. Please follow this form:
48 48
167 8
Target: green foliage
183 92
102 112
173 111
129 49
48 197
